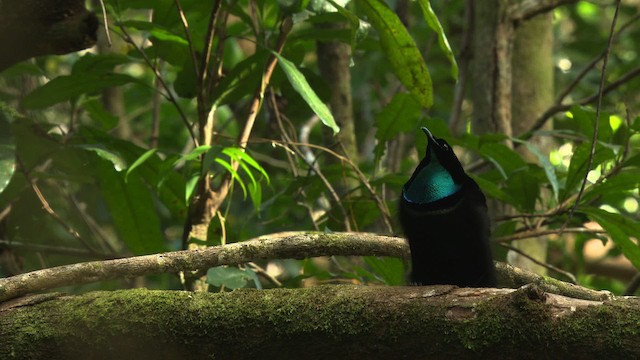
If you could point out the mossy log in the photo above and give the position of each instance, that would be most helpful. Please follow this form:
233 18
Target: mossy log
324 322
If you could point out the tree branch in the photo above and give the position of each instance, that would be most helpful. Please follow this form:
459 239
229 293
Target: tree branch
297 245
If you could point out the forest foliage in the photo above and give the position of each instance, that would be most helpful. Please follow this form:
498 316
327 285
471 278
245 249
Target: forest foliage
100 151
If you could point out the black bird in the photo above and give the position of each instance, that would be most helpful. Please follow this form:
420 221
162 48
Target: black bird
444 216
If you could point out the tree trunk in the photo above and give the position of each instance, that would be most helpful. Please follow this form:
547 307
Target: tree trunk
507 47
337 322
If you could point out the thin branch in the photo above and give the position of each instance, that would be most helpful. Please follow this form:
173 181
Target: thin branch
559 107
568 275
168 94
60 250
187 33
594 140
538 233
296 245
526 9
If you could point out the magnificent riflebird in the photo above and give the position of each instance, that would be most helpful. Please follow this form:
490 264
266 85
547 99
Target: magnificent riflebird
445 219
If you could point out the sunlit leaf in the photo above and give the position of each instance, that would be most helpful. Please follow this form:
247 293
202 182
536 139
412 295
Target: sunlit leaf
432 20
621 229
300 84
144 157
400 49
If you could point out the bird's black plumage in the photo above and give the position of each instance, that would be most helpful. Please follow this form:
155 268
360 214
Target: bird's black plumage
444 216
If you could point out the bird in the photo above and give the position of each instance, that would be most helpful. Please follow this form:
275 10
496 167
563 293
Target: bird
444 217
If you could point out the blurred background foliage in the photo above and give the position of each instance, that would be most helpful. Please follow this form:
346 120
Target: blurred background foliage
97 160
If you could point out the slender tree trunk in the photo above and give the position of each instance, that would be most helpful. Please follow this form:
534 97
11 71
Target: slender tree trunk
505 51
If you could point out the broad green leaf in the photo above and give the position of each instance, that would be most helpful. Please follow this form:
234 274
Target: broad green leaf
96 110
99 64
64 88
524 189
114 157
132 209
580 161
506 160
230 277
234 174
300 84
391 270
549 169
585 118
626 180
170 185
432 20
155 30
244 157
144 157
492 190
621 229
400 49
190 187
7 152
401 114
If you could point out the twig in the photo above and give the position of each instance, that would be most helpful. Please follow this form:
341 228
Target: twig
537 233
568 275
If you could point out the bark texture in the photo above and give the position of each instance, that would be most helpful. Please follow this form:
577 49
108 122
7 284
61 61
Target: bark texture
30 28
337 322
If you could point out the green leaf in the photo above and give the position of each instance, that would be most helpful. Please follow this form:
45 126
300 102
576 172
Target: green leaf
400 49
113 157
170 185
432 20
621 229
96 110
230 277
7 152
580 161
524 189
401 114
99 64
144 157
300 84
234 174
585 117
506 160
391 270
132 209
626 180
64 88
492 190
549 169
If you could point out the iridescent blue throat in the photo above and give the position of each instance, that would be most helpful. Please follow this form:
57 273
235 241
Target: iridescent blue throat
432 183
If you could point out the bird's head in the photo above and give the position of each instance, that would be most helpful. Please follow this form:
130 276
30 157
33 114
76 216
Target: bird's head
438 176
